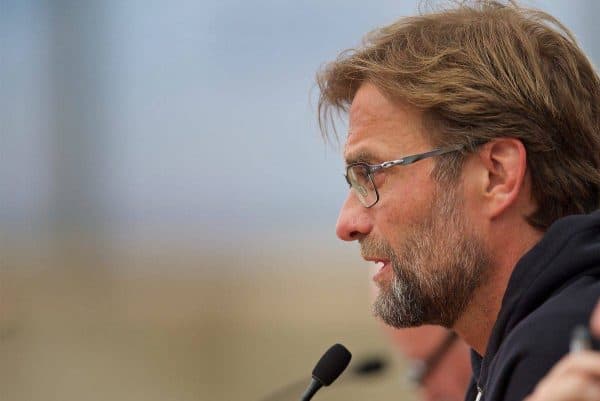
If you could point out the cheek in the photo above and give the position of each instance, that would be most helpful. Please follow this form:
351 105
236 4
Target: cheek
406 205
404 201
457 365
444 384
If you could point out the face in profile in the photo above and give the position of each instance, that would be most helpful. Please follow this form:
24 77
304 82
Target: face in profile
438 361
416 228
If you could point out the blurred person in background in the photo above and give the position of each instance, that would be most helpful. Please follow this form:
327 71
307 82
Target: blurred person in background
439 365
473 158
576 377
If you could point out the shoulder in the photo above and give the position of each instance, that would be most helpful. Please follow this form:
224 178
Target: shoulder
536 343
548 328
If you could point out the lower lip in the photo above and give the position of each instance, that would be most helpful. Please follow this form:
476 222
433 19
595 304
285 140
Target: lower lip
383 271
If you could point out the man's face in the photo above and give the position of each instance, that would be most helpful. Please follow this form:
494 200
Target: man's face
430 261
448 377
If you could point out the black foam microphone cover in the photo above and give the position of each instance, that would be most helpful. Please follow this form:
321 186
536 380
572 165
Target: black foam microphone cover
332 364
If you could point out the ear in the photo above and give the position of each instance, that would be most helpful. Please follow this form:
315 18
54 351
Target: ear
504 161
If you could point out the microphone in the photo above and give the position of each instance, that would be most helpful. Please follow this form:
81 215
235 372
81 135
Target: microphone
330 367
367 366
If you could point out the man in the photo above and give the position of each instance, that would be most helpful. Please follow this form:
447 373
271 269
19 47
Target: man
483 228
439 364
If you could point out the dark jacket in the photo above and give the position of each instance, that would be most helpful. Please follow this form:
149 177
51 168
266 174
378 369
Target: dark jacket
553 288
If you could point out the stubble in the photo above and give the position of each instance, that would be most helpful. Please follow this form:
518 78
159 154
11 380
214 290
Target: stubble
436 270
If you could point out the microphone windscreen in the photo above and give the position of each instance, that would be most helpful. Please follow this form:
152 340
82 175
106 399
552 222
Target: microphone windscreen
332 364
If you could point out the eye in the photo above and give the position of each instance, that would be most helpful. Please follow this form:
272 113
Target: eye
358 175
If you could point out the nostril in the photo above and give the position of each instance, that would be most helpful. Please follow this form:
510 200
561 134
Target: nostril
355 235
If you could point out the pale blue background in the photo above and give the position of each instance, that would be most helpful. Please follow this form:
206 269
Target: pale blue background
185 118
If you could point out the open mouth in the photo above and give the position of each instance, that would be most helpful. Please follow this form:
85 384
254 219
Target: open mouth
382 268
380 264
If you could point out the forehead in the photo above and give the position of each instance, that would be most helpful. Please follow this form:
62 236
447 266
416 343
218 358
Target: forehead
381 127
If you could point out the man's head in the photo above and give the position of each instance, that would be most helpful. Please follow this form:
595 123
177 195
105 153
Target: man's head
484 71
439 362
510 103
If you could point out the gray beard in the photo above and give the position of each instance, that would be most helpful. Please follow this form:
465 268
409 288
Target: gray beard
437 270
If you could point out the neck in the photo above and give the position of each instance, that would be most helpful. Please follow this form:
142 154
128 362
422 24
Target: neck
477 322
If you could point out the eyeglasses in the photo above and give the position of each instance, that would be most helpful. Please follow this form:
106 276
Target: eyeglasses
360 175
419 370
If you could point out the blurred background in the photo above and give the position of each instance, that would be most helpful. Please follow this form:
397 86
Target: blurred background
167 205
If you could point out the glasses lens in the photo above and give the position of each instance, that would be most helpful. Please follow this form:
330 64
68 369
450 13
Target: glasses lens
416 373
361 183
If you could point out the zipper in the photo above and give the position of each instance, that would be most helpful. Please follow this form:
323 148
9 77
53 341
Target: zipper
479 393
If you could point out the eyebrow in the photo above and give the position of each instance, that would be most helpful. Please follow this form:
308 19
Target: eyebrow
362 156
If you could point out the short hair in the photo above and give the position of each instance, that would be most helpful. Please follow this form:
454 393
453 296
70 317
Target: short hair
482 70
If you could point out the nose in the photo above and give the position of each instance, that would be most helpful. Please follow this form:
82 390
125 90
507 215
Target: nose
354 221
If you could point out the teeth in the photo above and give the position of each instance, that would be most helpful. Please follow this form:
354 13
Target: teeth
379 264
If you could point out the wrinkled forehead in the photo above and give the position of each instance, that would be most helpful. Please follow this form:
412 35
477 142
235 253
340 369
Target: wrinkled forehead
377 124
370 107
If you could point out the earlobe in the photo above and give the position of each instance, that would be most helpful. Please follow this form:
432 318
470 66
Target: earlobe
506 162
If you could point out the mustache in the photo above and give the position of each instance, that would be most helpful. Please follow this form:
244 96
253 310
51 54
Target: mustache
375 248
